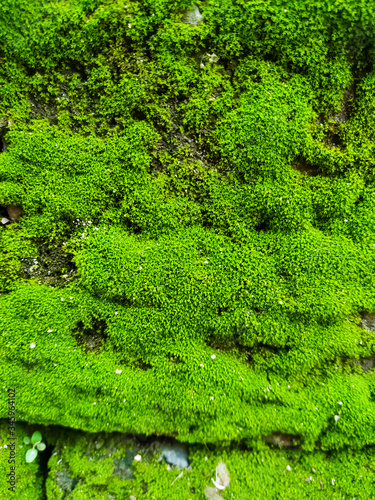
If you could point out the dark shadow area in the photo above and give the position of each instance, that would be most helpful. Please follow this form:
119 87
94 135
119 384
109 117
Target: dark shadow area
306 168
141 365
92 338
44 459
283 440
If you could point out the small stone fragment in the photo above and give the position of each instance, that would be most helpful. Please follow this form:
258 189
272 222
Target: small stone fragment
192 16
212 494
222 476
175 455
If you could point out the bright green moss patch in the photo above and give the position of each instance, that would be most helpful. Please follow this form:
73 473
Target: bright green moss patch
195 255
28 477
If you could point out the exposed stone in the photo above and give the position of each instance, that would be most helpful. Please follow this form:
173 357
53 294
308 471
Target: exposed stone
175 454
281 439
367 363
123 466
212 493
368 321
342 115
15 212
65 482
192 16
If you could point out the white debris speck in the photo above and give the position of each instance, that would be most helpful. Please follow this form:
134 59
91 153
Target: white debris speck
280 302
339 402
94 403
288 467
32 346
337 417
4 220
201 365
333 482
138 458
62 299
211 398
49 331
213 356
222 476
5 446
206 262
118 371
140 268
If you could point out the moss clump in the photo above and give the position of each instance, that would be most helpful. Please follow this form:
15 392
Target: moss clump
196 248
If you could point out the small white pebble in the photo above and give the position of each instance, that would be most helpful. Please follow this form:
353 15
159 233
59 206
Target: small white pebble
49 331
337 417
288 467
138 458
213 356
211 398
94 403
32 346
339 402
118 371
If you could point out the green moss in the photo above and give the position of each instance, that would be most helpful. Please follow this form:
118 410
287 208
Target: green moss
28 478
196 252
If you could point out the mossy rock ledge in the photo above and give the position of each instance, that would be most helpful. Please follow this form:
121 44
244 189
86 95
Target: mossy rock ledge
187 248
